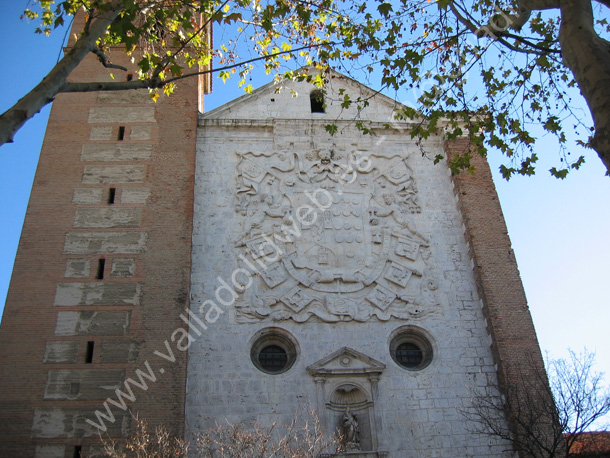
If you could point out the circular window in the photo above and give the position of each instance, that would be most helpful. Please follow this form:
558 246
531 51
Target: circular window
274 351
410 348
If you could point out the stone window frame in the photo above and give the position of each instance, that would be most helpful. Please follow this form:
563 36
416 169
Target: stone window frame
317 101
418 337
274 337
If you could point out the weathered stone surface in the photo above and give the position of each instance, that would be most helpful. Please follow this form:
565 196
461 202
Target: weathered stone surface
101 133
61 352
358 454
105 242
85 323
134 195
116 152
353 234
55 422
78 268
123 267
98 174
132 97
50 451
92 384
87 196
107 217
68 294
381 251
119 351
121 114
140 133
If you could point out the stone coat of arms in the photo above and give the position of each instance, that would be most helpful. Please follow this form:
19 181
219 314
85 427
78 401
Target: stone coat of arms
330 237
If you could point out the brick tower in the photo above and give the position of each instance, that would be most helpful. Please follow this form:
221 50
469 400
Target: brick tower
102 270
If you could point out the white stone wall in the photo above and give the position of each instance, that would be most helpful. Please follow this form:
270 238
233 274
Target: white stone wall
418 413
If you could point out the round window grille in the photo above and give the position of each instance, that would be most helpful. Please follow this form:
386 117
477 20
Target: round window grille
409 355
410 348
274 351
273 358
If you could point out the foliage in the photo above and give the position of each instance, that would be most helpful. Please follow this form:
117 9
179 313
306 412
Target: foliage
581 395
143 443
300 438
547 418
489 69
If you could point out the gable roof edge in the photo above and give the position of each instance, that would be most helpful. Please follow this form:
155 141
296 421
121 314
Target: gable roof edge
334 73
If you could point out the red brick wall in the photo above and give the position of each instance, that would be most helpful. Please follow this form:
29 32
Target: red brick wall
162 271
514 342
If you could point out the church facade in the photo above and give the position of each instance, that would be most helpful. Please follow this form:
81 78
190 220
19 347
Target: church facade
340 276
245 264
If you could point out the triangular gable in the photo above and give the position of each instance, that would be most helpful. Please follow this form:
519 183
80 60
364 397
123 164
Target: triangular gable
346 361
291 100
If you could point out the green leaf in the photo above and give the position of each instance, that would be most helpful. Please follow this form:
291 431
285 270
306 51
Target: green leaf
331 129
561 174
385 9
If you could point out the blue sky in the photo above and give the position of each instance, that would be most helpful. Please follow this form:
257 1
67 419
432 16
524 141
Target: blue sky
559 229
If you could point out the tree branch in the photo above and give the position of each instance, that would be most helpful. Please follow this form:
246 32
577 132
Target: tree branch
103 86
587 55
539 4
498 33
16 116
516 18
542 49
156 82
104 59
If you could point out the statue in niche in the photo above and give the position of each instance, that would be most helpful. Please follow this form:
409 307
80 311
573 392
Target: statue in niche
350 431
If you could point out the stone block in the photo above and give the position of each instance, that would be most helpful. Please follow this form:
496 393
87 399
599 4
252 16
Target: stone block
101 133
70 294
107 217
121 114
87 196
116 152
78 268
131 97
61 352
105 242
50 451
123 268
98 174
134 196
140 133
56 422
85 323
88 384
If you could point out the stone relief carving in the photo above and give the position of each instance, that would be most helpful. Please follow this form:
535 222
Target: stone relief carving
330 237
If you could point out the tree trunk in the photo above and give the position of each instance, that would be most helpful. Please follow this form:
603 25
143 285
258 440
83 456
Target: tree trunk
588 56
16 116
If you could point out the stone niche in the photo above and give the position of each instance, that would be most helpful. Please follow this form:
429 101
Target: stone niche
346 393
